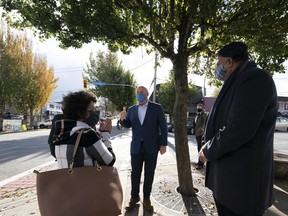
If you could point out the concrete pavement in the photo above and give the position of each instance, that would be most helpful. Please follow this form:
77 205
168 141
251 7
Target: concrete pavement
18 197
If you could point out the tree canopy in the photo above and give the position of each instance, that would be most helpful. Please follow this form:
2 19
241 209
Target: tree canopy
181 30
26 81
104 67
167 94
202 26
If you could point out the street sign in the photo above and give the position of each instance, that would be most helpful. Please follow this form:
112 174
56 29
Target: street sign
99 83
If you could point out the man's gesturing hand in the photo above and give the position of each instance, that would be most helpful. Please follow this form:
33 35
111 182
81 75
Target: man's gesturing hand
123 115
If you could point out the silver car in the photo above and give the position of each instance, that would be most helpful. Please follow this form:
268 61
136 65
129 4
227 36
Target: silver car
281 124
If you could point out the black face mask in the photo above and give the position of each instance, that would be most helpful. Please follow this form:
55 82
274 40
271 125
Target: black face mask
199 110
93 118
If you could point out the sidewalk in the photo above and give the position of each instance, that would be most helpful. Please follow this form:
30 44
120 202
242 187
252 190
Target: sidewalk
19 197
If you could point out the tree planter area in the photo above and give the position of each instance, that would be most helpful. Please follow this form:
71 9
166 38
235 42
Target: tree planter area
281 166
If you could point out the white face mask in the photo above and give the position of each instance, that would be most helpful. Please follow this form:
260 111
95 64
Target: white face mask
220 72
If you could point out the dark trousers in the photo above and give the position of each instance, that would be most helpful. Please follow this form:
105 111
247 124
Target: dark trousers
199 146
223 211
137 161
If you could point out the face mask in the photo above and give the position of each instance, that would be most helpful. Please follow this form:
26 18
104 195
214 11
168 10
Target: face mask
220 72
93 118
141 97
199 110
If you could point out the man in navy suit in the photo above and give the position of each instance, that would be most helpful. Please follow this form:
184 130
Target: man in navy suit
149 136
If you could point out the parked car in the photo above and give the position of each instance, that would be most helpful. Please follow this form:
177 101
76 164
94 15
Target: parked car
12 116
46 124
281 124
189 126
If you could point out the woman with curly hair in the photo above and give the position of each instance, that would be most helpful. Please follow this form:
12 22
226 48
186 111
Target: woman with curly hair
94 146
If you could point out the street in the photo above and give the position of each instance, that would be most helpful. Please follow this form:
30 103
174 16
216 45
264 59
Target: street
281 142
24 151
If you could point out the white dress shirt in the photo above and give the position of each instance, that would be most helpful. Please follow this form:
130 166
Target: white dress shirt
142 112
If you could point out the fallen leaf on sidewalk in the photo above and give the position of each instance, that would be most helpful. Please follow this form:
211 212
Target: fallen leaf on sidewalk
168 190
4 208
210 206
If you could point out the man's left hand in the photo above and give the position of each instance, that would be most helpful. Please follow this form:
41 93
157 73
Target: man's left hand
162 149
202 157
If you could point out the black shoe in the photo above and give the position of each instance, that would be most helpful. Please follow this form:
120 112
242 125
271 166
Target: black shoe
197 164
147 205
199 167
132 203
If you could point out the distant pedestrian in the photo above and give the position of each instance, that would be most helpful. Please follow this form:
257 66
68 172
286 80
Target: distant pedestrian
239 136
149 136
119 126
199 124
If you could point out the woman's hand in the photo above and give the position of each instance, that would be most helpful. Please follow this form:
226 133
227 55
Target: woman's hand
106 125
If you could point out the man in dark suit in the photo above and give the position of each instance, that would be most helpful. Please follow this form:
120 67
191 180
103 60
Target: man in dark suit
149 136
239 136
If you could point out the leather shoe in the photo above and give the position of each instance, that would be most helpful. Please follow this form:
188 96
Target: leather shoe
132 203
199 167
147 204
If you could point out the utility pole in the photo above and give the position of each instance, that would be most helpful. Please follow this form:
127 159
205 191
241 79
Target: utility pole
204 86
155 75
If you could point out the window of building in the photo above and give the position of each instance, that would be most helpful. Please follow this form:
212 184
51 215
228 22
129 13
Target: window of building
51 106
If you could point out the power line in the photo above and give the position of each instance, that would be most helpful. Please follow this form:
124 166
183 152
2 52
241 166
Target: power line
67 68
71 71
77 69
142 64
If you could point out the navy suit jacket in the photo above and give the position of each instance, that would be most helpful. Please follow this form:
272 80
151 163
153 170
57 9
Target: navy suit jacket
152 133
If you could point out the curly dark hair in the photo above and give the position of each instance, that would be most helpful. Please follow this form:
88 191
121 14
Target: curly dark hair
75 104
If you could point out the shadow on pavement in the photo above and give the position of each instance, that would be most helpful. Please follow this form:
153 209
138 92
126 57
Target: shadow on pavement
192 206
136 211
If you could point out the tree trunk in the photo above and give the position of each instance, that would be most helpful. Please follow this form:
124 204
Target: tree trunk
180 120
2 109
31 118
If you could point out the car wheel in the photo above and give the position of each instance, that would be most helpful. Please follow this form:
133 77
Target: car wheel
42 126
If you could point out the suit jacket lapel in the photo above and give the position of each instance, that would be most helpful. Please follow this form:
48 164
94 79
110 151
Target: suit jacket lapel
211 118
136 113
146 114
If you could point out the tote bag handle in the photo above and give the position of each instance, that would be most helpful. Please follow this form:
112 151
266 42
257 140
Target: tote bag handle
75 148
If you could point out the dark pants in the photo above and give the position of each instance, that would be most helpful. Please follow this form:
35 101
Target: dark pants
223 211
137 161
199 146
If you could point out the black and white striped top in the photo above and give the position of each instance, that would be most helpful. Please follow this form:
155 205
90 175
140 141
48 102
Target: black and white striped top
93 146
